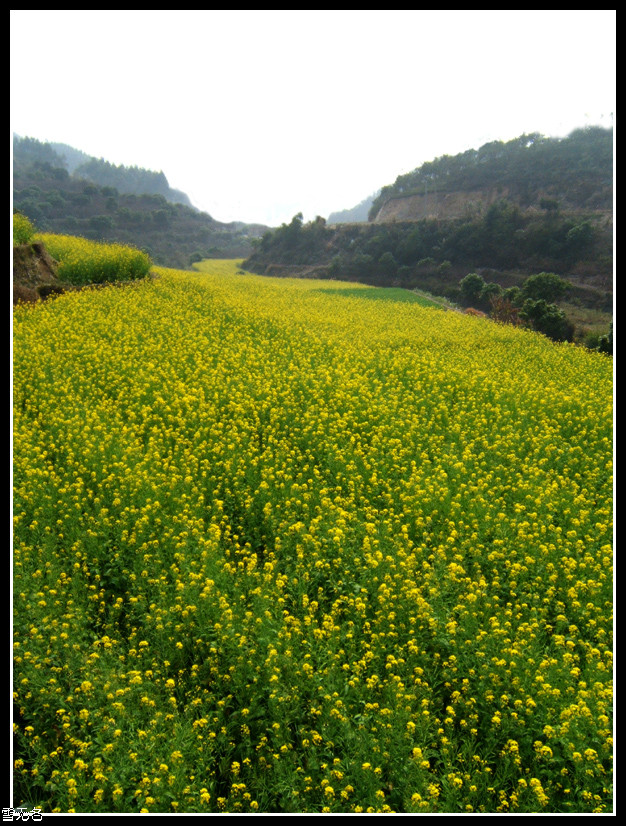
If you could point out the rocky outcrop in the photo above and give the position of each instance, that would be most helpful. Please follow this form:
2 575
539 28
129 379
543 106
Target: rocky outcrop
438 205
467 204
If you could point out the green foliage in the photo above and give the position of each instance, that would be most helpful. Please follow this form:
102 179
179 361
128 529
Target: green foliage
471 287
362 264
490 291
101 223
161 218
32 151
129 180
545 285
388 264
514 295
605 343
411 246
23 230
295 242
549 204
337 264
290 234
547 319
580 238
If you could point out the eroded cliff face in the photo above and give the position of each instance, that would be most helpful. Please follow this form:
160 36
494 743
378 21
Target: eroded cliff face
438 205
461 204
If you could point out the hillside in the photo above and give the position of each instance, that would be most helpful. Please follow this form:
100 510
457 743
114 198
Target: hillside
572 174
505 212
64 191
128 180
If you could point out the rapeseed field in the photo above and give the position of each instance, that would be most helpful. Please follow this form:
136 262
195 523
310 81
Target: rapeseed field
81 261
281 549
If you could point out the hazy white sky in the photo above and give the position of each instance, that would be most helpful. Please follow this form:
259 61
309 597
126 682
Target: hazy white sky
258 115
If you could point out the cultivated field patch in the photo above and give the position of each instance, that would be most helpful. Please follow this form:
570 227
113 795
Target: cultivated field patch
281 549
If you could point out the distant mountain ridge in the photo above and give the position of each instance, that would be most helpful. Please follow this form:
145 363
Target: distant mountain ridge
73 157
128 180
354 215
65 191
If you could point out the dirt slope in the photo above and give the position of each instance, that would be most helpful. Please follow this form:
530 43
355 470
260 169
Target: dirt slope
34 273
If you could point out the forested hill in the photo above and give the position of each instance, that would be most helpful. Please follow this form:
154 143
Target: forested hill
529 205
568 174
128 180
63 190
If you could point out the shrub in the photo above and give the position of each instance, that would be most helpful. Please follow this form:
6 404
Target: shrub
514 295
580 238
547 319
336 265
489 291
101 223
388 264
545 285
605 342
471 287
23 230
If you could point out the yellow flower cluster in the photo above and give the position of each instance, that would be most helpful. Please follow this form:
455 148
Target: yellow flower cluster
23 230
278 548
89 262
